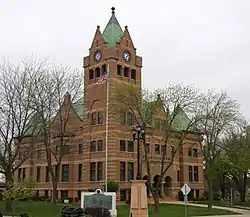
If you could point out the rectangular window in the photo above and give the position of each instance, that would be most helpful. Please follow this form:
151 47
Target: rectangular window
130 172
79 172
122 145
157 149
122 171
123 118
99 145
99 117
147 147
24 173
104 69
47 174
99 171
79 192
93 146
190 173
197 193
64 194
65 173
97 72
38 174
126 72
133 74
130 146
196 174
190 154
123 195
38 154
119 70
46 193
80 148
56 170
129 117
195 152
65 149
92 171
93 118
91 74
178 176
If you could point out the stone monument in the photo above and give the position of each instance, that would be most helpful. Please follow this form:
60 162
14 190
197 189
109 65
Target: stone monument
139 200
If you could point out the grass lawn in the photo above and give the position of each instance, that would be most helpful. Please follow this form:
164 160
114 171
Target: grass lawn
42 209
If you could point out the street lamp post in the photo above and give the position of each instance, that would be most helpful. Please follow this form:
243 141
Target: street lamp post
138 134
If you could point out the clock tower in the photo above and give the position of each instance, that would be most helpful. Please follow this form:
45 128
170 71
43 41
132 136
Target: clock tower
112 52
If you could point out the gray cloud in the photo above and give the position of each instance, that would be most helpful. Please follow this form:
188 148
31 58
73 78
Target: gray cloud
205 43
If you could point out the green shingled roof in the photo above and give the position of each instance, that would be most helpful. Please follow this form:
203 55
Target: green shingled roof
34 125
181 121
113 31
78 108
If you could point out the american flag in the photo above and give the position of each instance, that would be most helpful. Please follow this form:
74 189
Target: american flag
102 79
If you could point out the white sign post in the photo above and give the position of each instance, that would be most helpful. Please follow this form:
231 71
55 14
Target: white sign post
185 190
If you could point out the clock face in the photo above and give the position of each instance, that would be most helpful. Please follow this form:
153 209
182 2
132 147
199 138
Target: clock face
126 56
97 56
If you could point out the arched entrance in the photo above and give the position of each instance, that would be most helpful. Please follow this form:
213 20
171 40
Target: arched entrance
155 181
168 186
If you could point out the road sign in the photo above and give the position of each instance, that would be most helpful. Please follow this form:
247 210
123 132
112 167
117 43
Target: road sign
185 189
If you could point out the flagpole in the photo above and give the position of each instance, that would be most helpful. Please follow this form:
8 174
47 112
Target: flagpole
107 114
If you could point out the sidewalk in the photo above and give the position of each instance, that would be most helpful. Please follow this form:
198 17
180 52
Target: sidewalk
243 212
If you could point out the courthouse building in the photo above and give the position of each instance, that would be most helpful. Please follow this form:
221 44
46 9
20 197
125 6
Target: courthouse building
83 168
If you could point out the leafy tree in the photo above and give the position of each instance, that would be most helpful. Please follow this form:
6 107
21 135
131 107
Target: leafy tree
112 186
237 151
218 114
21 191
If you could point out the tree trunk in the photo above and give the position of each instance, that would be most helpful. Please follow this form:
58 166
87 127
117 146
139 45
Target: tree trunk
222 186
54 192
156 196
243 185
9 183
210 193
156 200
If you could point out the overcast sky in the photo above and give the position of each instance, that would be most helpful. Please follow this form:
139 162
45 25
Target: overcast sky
200 42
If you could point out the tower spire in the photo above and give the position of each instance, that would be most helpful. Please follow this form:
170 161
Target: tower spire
113 31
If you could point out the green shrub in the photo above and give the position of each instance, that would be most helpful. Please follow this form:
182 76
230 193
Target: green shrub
112 186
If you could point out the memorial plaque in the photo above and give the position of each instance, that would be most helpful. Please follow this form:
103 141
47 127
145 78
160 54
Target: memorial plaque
99 203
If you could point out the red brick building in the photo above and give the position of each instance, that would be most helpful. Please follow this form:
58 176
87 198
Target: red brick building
84 167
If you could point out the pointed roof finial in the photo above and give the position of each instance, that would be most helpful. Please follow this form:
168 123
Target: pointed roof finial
113 10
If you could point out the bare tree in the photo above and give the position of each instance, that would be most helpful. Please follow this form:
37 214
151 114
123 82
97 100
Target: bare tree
54 90
171 111
15 113
218 114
